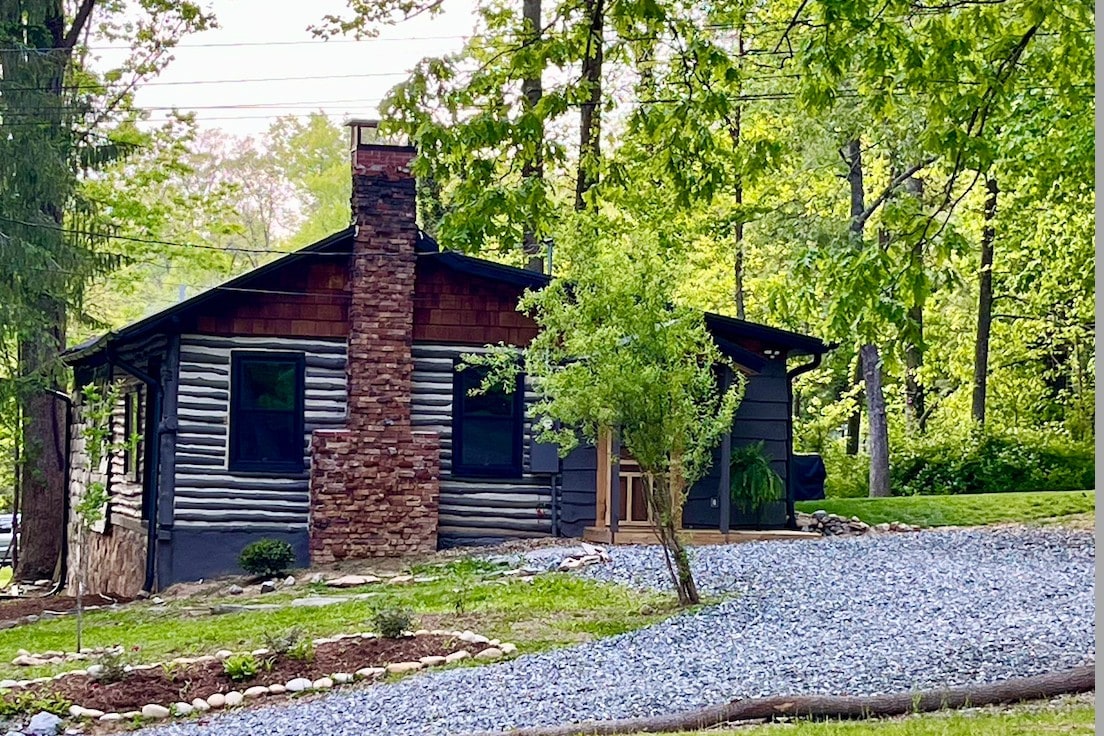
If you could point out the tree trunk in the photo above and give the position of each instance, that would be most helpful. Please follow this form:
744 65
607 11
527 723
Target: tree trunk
876 413
590 116
533 170
915 409
985 304
854 422
665 503
42 490
737 134
871 362
1076 680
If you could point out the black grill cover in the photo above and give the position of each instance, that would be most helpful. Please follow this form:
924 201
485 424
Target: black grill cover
808 477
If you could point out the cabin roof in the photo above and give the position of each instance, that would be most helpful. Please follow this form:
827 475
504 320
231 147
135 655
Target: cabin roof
726 330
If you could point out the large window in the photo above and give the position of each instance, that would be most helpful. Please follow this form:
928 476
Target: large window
486 428
266 411
132 434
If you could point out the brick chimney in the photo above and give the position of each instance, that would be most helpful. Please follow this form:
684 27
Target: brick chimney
374 484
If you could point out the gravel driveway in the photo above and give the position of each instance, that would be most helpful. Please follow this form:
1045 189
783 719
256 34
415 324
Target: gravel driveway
845 616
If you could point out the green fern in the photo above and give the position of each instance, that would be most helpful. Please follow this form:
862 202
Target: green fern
754 484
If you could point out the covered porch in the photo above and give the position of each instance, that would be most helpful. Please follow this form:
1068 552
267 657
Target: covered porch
622 515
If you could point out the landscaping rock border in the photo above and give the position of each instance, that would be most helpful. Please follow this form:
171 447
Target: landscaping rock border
833 525
158 711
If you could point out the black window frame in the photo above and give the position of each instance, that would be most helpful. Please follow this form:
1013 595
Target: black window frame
234 462
459 398
133 411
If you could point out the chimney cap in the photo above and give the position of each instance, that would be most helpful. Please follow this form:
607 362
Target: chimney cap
362 122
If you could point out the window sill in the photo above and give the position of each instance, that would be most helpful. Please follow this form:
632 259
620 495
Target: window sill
469 476
295 473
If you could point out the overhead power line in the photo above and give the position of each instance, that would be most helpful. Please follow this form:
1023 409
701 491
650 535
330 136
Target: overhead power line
250 44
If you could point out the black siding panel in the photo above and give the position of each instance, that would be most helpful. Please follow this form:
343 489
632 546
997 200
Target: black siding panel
578 490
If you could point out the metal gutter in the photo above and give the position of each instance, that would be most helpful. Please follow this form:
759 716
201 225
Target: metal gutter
791 514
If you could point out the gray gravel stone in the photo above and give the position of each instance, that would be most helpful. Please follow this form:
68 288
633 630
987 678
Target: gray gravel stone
880 613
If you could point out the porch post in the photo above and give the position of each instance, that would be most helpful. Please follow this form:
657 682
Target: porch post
724 493
614 481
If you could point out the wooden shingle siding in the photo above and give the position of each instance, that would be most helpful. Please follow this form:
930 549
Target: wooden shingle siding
474 510
308 298
206 493
454 308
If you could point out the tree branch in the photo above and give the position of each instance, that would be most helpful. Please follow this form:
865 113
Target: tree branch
84 12
888 191
1075 680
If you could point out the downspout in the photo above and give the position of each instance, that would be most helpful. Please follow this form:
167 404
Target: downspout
152 475
67 476
791 514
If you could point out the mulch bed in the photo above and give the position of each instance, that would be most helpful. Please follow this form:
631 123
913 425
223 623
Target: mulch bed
203 679
16 608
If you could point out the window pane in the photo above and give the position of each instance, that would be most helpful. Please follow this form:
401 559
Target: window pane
267 384
267 436
487 441
485 428
490 404
266 416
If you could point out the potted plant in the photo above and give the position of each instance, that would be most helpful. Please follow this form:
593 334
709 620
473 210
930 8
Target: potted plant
756 489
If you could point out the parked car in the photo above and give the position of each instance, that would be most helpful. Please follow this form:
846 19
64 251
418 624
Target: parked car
5 539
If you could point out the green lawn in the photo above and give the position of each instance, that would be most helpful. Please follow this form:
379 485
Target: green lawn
963 510
1075 719
552 610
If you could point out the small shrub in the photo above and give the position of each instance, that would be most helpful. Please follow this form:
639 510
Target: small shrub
390 623
267 557
302 651
284 643
113 664
241 667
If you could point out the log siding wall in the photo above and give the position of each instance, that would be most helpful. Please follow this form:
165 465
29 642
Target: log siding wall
207 494
475 510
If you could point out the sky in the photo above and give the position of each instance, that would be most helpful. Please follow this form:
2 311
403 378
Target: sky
269 39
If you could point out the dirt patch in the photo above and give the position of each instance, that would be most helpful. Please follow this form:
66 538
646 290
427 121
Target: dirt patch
16 608
184 683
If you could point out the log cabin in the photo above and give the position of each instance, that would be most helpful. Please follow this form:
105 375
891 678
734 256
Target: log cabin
316 400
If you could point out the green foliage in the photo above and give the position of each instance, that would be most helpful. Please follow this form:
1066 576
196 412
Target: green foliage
241 667
392 622
302 650
615 350
21 703
267 557
115 663
285 642
991 462
754 483
846 476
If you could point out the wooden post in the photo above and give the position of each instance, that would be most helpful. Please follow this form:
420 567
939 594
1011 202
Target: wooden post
614 482
601 480
724 492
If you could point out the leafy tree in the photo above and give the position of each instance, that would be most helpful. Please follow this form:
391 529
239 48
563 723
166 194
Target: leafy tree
615 352
56 123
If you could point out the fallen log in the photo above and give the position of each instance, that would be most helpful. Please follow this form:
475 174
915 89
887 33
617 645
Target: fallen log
1076 680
